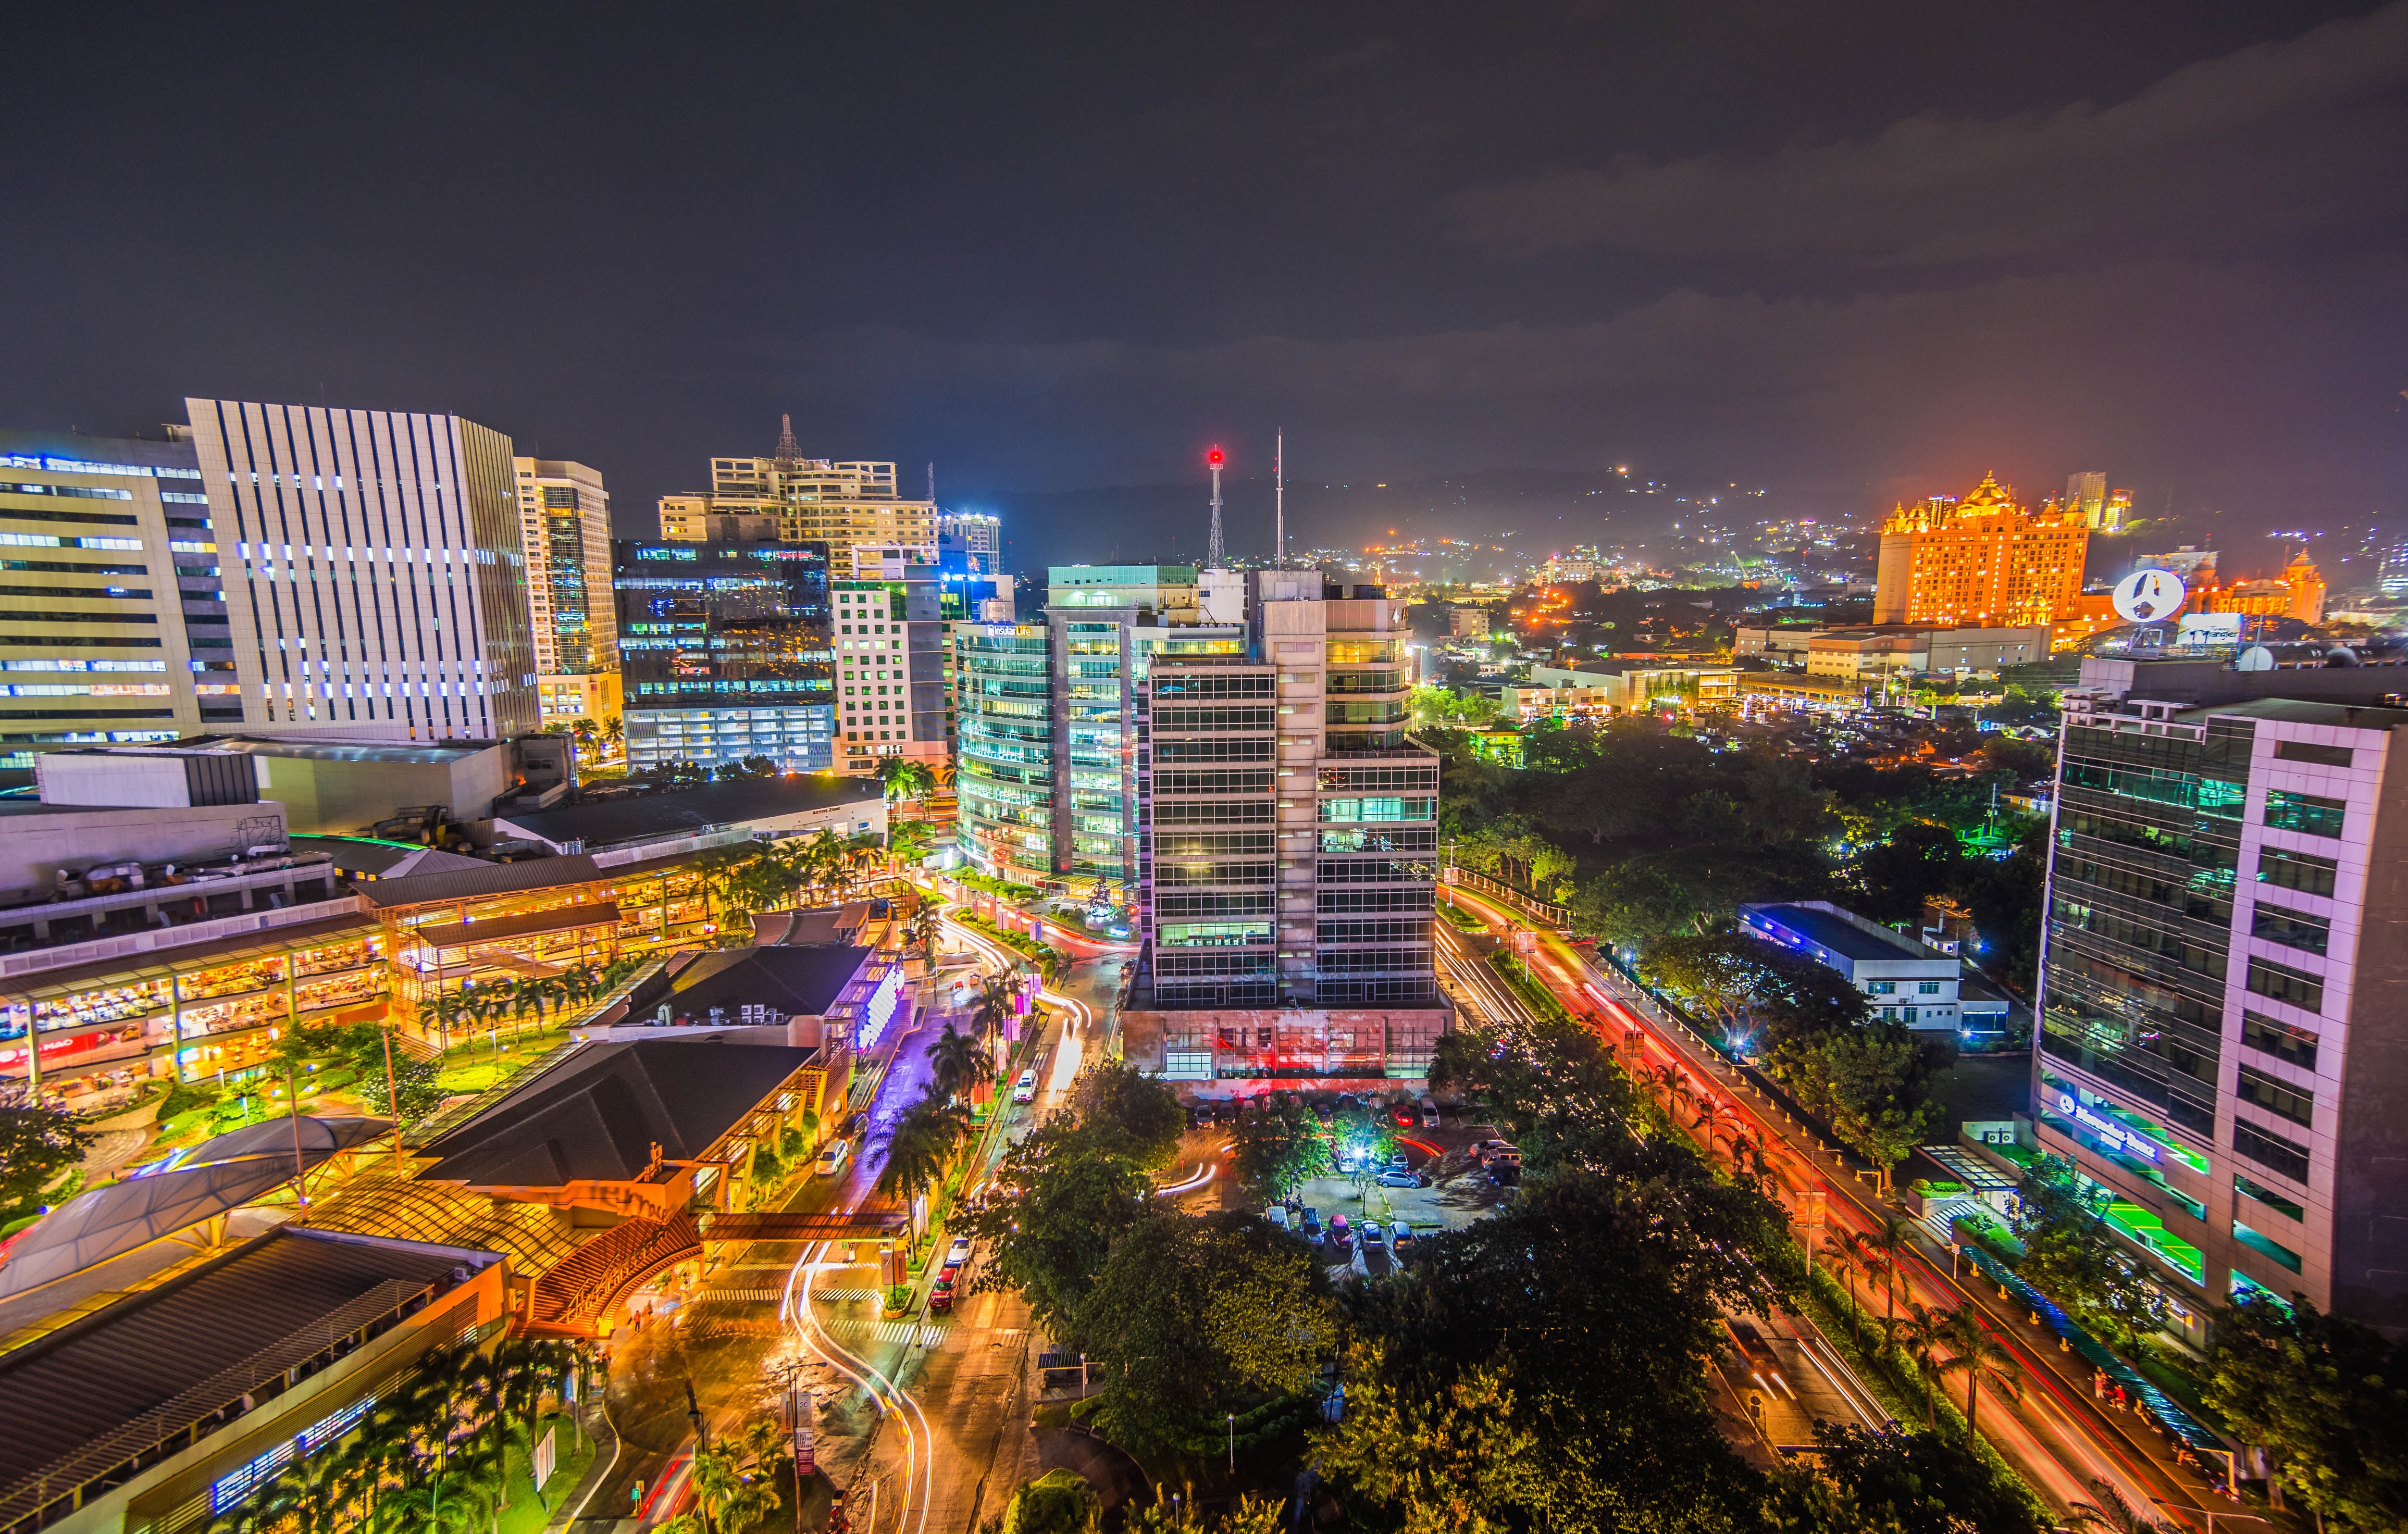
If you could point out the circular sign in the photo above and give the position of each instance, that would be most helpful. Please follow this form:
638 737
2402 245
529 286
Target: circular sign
2144 597
2065 1102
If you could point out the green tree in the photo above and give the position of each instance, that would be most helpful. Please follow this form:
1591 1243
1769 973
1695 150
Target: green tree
927 1136
1126 1112
1050 1228
1435 1457
1898 873
1057 1502
38 1145
2072 1257
1192 1318
1278 1148
1891 1481
2328 1397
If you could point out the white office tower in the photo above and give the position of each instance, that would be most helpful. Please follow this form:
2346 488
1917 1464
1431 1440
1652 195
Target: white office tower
1291 852
1221 595
373 564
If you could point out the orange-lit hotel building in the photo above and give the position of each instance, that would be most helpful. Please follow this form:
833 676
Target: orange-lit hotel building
1982 562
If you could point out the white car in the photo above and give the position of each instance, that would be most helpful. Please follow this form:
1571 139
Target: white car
959 1253
832 1159
1024 1089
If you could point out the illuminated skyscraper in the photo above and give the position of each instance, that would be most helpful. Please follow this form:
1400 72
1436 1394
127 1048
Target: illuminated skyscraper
1982 562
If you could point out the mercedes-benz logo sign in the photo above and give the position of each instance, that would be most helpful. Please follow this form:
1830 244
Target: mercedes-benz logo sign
2146 596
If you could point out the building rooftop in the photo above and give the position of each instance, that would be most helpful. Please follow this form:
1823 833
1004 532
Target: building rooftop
161 1349
2304 711
597 1115
618 821
418 752
798 980
1829 930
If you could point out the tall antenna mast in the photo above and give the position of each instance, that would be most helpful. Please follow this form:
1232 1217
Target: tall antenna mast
1279 497
1212 547
932 483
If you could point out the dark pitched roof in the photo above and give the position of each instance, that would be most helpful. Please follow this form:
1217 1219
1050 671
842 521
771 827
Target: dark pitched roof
597 1114
540 873
615 822
805 980
71 1387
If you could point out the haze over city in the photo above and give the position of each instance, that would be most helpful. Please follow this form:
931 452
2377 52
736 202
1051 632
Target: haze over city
1853 255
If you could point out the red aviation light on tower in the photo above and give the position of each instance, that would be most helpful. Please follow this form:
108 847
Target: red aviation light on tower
1214 458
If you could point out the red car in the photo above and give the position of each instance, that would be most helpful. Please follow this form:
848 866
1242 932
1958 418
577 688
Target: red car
1403 1114
941 1296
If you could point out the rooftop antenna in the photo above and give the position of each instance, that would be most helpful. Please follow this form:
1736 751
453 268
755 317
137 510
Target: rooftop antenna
1279 497
932 483
1212 547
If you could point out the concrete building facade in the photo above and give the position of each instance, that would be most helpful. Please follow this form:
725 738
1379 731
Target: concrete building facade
565 528
113 619
375 573
2223 998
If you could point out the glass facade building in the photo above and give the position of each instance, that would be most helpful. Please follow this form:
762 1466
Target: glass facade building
1003 773
726 652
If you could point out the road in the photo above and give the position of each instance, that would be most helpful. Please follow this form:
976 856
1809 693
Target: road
2056 1436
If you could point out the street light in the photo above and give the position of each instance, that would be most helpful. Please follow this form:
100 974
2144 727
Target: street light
1233 1443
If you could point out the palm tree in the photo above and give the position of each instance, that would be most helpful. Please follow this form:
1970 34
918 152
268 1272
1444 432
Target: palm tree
1846 1250
2111 1512
309 1496
1979 1357
1890 1242
1919 1335
958 1062
997 995
925 1140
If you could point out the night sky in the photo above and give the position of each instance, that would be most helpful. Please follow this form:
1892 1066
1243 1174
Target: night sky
1845 252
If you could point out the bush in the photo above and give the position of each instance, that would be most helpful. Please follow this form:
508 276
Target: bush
1057 1502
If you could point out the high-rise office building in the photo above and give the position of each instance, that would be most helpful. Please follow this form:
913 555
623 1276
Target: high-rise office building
1003 753
2223 997
2086 496
564 527
726 652
1291 849
814 500
374 569
890 669
974 533
113 621
1982 562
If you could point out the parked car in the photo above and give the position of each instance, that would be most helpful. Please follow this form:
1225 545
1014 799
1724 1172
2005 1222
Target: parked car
1403 1114
1277 1215
832 1158
1395 1178
1429 1113
1400 1240
1311 1224
1373 1235
959 1253
941 1296
1340 1235
1024 1089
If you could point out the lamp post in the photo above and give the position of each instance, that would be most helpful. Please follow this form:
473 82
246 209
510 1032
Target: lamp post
1233 1443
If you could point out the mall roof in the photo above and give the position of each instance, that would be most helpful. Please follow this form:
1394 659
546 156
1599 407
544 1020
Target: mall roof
175 1194
2294 711
597 1115
804 980
617 822
151 1352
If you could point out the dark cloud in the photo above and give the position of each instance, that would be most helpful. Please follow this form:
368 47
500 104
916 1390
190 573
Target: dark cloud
2275 143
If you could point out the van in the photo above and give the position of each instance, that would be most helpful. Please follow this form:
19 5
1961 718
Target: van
1429 1113
832 1158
